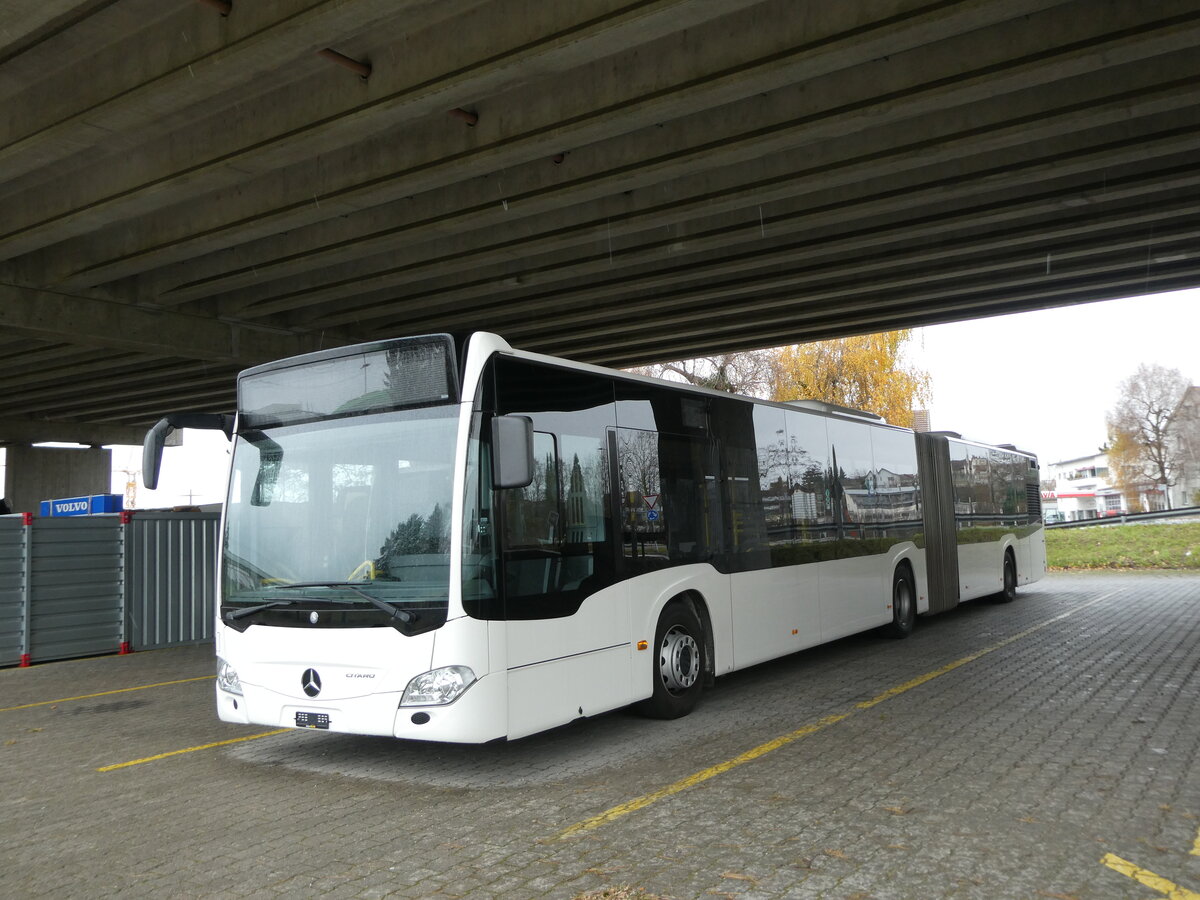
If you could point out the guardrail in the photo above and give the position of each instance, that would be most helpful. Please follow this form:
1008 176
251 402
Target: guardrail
1129 517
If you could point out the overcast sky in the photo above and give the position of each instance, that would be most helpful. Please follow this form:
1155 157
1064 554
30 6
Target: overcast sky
1040 380
1044 380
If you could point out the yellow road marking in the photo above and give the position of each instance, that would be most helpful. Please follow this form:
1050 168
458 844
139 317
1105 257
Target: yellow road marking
142 687
1196 845
763 749
146 759
1149 879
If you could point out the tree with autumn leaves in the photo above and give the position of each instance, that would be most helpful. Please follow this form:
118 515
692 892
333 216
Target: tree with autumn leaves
866 372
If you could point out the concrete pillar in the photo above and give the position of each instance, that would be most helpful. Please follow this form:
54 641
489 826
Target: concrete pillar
34 474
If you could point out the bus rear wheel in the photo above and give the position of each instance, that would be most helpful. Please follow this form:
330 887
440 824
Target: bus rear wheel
1009 592
679 664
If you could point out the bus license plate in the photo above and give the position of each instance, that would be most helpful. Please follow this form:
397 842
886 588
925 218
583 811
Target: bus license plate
312 720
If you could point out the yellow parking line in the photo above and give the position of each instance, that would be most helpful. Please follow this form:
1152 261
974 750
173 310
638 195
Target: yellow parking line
623 809
1196 845
1149 879
146 759
761 750
142 687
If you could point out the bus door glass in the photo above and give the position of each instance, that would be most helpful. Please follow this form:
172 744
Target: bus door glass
670 497
556 548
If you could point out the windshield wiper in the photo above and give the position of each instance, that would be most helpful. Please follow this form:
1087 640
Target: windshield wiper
251 610
391 609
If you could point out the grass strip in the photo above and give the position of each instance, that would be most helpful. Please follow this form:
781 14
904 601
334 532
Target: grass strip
1174 545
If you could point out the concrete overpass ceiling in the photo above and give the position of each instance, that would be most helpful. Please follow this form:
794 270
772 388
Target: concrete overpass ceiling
186 193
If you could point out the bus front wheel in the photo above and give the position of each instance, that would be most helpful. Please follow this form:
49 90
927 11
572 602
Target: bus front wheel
678 664
904 604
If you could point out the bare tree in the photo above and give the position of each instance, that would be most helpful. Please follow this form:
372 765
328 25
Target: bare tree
1140 425
749 372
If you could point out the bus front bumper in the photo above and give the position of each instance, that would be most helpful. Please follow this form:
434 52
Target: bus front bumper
479 715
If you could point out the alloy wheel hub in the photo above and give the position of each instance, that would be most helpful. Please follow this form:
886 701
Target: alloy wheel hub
679 660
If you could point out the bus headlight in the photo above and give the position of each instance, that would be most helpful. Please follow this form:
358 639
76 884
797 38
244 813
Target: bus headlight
227 678
439 687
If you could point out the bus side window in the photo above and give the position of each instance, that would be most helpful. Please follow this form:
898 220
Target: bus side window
644 524
897 490
532 532
586 514
670 500
813 534
853 480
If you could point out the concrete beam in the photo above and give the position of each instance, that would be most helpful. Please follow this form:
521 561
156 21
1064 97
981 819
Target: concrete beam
65 399
20 354
734 171
25 430
27 25
318 119
106 325
829 248
752 147
654 338
154 68
791 298
81 366
807 272
807 200
148 407
599 99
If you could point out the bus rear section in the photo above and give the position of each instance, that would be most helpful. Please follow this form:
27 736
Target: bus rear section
984 532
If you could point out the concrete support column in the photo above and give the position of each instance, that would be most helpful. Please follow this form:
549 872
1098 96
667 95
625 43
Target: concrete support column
33 474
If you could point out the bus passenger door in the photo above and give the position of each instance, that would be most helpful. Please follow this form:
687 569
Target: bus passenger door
567 622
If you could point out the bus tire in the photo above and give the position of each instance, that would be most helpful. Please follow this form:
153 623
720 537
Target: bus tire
904 604
1008 593
679 664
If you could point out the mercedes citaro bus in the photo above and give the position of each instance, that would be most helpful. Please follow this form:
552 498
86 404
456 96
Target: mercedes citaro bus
445 538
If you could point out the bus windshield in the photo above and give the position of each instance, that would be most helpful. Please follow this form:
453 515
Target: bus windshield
344 512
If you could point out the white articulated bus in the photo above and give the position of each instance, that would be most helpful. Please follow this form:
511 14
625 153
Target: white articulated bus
444 538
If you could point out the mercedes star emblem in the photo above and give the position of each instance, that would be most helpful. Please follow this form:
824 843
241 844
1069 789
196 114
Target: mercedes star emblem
311 682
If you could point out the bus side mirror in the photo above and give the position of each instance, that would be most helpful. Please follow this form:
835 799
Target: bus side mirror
156 437
512 451
152 448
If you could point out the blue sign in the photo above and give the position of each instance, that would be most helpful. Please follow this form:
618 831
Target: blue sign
83 506
652 515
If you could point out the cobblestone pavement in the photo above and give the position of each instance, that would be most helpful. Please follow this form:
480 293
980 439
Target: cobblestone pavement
1009 775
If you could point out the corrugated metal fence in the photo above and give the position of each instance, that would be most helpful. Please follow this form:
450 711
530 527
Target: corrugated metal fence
170 557
13 580
89 585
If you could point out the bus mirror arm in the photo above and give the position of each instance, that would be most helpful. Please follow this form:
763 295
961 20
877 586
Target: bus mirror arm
156 437
512 451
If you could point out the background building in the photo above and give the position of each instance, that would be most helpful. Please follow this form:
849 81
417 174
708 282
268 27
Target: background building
1080 488
1185 434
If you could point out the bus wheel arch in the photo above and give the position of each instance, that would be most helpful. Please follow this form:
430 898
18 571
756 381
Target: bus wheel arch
903 601
682 658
